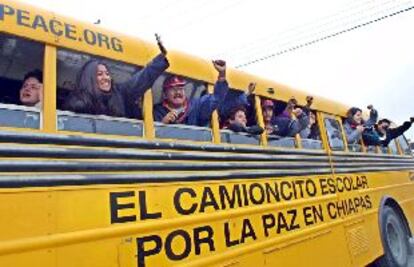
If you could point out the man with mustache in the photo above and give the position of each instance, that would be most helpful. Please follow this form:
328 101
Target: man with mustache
177 109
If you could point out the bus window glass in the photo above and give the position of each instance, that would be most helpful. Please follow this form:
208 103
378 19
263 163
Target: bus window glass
237 117
310 136
21 82
404 145
106 113
333 131
393 147
177 105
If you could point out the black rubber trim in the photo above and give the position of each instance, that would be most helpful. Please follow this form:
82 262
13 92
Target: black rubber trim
20 181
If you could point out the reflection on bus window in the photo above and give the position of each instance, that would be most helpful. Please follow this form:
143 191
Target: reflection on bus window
21 82
95 110
176 108
334 134
393 147
405 147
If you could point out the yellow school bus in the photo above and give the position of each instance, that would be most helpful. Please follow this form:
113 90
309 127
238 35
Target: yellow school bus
92 190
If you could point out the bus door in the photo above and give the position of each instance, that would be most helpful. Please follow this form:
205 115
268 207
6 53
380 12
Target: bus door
354 205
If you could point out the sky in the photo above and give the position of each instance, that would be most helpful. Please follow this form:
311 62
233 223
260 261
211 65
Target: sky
370 65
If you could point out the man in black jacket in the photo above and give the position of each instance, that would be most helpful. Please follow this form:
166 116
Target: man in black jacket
381 134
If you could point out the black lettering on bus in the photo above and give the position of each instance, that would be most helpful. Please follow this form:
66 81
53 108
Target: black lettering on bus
70 31
89 37
300 184
268 222
23 18
115 207
281 223
287 195
310 188
245 195
116 44
142 252
293 224
208 199
247 231
208 239
103 39
258 198
39 22
272 192
368 201
173 255
229 201
144 214
177 203
332 186
312 214
340 185
332 211
55 27
229 242
324 186
347 184
5 10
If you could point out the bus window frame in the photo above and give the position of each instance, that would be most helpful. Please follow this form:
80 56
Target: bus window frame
325 132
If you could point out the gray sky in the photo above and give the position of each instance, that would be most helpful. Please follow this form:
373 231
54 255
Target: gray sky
373 64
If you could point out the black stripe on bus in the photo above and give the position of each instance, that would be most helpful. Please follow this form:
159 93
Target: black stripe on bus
20 181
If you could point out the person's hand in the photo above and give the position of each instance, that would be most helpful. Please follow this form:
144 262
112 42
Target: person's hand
251 88
298 112
412 119
170 117
161 46
220 66
360 128
309 100
370 107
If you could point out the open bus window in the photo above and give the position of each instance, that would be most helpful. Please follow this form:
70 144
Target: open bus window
311 136
113 114
393 147
177 109
237 117
333 131
405 147
21 82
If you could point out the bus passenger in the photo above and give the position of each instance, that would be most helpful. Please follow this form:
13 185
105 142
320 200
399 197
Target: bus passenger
234 99
237 122
354 125
312 130
381 134
177 109
96 93
31 92
284 125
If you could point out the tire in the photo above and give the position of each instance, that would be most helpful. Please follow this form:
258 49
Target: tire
395 238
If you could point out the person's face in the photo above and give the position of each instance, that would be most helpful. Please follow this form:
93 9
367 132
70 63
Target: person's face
312 118
240 118
358 117
175 96
31 92
383 127
103 78
267 114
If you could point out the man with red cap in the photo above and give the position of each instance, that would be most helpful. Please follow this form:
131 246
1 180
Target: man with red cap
177 109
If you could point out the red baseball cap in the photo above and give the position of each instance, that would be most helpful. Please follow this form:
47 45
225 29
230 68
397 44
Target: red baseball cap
173 81
267 103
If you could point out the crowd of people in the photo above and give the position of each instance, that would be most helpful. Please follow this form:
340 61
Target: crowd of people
96 93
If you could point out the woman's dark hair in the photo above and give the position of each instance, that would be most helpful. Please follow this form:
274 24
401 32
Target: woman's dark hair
37 74
351 112
233 112
93 99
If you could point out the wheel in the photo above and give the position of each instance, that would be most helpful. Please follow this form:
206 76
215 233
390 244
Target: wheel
395 238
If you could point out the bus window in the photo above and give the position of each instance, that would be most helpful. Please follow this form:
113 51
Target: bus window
393 147
333 131
21 82
310 136
129 121
237 118
405 147
181 128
